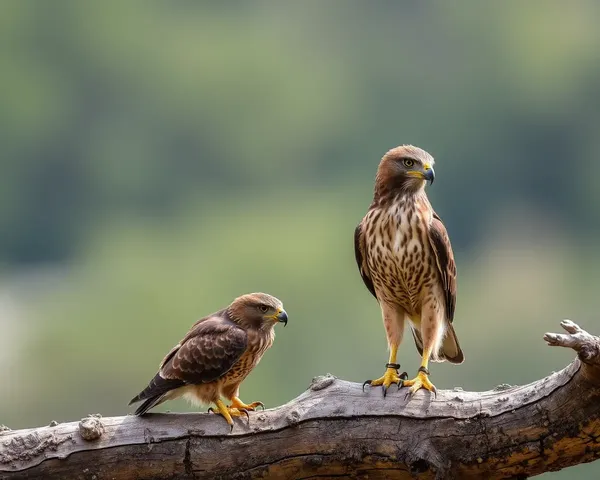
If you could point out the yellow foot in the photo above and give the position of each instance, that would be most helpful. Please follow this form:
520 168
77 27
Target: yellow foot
228 412
390 377
420 381
237 403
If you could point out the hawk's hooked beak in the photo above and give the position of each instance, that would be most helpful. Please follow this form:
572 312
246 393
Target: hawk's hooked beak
429 173
282 317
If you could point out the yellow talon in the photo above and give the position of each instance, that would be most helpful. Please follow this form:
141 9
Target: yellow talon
390 377
237 403
228 412
420 381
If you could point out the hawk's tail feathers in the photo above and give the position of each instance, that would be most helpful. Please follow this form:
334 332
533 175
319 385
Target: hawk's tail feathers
450 349
154 392
148 404
418 339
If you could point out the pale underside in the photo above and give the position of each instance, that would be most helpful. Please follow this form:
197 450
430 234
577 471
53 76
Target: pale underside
404 271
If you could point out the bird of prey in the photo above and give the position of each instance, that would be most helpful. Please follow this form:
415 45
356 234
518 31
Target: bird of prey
216 355
405 259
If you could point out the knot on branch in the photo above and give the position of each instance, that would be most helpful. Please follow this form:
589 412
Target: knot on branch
321 382
91 428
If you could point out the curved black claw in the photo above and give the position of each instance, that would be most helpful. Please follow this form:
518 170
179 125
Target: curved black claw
367 382
385 389
210 410
261 405
410 394
403 376
246 412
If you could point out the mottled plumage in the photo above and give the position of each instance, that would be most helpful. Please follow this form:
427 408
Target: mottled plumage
405 259
216 355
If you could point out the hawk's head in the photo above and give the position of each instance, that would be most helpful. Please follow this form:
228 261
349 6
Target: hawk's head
257 310
405 168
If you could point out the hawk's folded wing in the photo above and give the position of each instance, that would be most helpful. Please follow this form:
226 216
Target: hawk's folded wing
206 353
360 252
440 244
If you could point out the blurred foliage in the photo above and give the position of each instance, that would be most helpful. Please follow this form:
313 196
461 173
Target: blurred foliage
128 106
161 158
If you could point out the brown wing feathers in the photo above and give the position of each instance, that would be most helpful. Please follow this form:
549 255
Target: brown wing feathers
207 352
440 244
207 355
361 260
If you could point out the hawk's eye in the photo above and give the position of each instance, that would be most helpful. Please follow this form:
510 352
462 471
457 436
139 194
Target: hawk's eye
408 162
263 308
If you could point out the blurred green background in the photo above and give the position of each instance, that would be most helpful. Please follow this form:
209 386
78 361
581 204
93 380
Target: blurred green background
161 158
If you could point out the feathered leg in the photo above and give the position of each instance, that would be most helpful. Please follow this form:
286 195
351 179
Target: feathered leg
432 332
393 320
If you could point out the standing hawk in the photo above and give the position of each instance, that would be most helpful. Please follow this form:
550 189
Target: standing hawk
216 355
405 259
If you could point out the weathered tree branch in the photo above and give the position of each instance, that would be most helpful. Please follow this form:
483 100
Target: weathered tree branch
335 430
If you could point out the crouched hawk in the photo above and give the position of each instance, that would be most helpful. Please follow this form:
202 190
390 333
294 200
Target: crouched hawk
216 355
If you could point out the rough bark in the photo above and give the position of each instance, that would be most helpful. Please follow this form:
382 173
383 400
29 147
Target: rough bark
335 430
